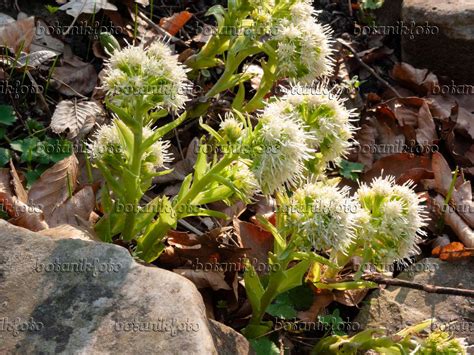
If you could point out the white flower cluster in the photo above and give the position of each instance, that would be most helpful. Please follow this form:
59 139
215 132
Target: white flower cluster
390 219
323 215
154 74
279 150
109 145
324 115
303 45
243 179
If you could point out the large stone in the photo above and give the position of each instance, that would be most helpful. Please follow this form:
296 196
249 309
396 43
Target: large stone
396 307
72 296
448 51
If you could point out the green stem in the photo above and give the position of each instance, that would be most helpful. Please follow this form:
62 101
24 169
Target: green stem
201 184
133 184
225 82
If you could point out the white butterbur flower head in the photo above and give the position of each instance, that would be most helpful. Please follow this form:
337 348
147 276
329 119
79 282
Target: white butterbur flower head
231 128
153 74
107 144
243 179
279 149
441 342
392 220
157 155
324 215
325 116
303 46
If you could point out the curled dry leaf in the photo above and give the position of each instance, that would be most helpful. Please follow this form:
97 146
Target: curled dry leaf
18 35
79 206
22 214
442 173
452 252
366 138
173 24
55 185
20 191
76 117
457 224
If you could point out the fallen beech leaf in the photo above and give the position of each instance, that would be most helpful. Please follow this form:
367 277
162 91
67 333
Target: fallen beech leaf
205 279
426 131
366 138
322 299
18 35
442 173
80 205
17 185
173 24
54 185
416 175
75 117
396 165
74 77
421 81
257 240
43 41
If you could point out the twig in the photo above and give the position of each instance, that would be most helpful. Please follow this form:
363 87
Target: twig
373 72
423 287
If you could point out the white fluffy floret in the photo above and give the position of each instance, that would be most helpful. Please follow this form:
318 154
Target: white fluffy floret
324 215
324 115
279 150
303 46
393 218
154 74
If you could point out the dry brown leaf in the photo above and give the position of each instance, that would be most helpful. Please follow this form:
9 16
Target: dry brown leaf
44 41
28 217
18 35
80 205
457 224
426 131
257 240
173 24
54 185
68 231
350 298
397 165
366 138
20 191
421 81
322 299
5 186
205 279
74 117
442 173
74 77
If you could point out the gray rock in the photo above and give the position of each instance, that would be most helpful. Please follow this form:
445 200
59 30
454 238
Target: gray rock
448 51
72 296
396 307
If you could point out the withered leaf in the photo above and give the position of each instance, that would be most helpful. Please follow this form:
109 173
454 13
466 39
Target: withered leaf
18 35
54 185
80 205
